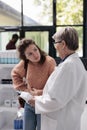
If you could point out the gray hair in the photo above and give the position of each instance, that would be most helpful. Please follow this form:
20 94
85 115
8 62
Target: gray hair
69 35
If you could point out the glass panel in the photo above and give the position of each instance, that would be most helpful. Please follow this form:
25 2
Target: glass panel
10 12
40 38
80 34
69 12
5 37
37 12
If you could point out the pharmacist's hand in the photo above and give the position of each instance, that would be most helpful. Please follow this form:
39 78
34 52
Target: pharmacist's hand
34 92
32 102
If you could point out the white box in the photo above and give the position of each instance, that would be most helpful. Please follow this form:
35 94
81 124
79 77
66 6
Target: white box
7 103
14 103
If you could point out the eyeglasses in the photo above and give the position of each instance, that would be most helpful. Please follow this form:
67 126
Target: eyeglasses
57 42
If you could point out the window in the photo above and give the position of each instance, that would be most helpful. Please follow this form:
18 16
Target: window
70 13
41 39
37 12
10 13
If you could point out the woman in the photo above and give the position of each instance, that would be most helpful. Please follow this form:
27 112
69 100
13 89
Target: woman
35 66
64 94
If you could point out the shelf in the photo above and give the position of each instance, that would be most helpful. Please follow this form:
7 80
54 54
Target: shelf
9 109
7 116
8 99
6 85
7 65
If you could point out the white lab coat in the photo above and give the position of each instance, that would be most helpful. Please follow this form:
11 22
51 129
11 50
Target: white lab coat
64 96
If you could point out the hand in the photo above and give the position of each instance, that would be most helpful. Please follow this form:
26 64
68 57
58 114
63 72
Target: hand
34 92
32 102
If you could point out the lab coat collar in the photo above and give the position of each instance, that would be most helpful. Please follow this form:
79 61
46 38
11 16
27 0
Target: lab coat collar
68 56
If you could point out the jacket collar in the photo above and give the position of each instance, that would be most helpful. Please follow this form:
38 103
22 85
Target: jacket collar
73 54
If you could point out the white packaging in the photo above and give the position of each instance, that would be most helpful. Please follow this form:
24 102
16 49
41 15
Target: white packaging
20 112
7 103
14 103
26 96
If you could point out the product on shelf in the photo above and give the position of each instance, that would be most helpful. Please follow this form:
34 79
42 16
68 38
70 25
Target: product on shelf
9 57
6 81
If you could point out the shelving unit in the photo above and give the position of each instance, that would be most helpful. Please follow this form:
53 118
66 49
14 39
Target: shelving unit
7 65
8 95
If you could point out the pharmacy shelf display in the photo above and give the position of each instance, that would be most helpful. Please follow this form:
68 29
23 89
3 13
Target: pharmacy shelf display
8 96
